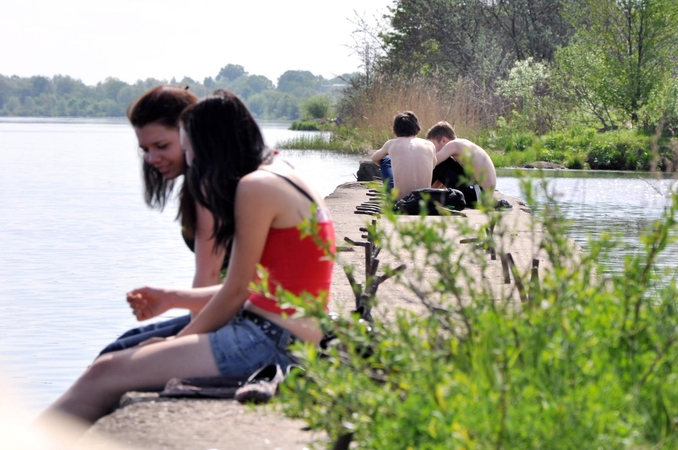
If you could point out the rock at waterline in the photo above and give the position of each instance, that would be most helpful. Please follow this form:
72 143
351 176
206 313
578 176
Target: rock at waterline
542 165
368 170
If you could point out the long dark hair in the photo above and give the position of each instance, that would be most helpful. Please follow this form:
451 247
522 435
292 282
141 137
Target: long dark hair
227 145
163 105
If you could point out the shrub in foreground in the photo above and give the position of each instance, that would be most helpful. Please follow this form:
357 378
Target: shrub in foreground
586 361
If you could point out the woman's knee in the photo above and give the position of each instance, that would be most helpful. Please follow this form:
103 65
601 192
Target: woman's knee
104 368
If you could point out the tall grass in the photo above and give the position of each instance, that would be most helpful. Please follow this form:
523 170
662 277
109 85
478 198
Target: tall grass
514 159
319 142
463 104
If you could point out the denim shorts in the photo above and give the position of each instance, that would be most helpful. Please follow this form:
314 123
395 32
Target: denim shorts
241 347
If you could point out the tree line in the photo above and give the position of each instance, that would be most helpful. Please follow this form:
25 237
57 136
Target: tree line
533 65
65 96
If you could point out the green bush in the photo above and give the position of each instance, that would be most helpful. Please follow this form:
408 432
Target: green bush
586 361
514 159
518 141
605 156
305 125
555 141
552 156
576 161
581 148
316 107
620 151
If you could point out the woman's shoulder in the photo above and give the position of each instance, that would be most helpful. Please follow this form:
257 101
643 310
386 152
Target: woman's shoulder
254 182
259 182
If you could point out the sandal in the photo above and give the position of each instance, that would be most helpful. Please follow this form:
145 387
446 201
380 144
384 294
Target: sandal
261 386
503 205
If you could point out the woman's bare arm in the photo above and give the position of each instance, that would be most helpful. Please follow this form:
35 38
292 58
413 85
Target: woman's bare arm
251 231
148 302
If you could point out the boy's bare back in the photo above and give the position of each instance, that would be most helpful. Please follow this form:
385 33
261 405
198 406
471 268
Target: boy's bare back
412 160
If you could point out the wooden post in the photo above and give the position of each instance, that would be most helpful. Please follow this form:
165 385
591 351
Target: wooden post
505 268
516 276
490 248
534 280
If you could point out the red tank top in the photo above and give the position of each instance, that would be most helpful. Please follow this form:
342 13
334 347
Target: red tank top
296 264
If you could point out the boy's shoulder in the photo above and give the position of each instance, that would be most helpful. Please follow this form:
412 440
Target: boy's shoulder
402 138
423 141
398 141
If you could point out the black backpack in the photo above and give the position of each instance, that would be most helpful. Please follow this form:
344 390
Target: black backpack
451 199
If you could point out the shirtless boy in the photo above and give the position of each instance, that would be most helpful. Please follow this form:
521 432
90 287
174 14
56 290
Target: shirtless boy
412 159
461 164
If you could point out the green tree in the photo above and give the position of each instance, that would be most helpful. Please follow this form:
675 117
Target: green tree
110 88
66 85
248 85
529 28
259 83
299 83
41 85
231 72
65 96
628 49
282 106
477 38
127 94
257 105
194 86
5 90
576 82
316 107
13 105
525 87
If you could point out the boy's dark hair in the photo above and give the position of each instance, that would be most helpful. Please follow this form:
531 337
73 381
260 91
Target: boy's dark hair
440 130
406 124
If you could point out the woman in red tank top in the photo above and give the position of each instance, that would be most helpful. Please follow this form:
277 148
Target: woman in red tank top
261 202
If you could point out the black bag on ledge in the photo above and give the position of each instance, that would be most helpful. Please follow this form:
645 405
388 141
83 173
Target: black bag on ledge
450 199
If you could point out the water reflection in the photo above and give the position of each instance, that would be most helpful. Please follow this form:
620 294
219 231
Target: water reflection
622 203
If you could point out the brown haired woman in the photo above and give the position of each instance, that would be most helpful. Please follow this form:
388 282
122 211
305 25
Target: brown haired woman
155 118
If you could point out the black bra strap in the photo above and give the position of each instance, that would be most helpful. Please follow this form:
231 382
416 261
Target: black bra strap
295 185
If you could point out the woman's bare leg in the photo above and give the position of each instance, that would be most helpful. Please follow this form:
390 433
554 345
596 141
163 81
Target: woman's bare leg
147 367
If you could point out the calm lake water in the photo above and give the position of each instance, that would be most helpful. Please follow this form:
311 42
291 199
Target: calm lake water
76 235
623 203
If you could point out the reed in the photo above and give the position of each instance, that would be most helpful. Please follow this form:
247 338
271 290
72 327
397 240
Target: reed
336 142
464 104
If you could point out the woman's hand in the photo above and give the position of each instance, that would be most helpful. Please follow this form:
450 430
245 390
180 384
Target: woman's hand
148 302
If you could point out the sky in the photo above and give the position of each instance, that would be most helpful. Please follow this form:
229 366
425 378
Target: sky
92 40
